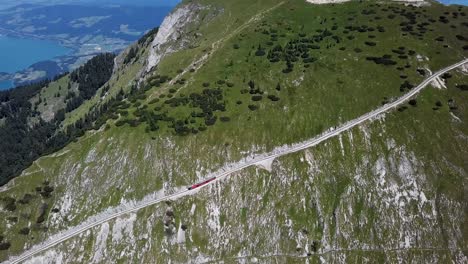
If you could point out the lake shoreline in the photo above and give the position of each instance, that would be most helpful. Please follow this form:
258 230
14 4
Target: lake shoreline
25 54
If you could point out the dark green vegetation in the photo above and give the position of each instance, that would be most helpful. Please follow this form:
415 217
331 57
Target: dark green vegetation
23 141
90 78
286 77
302 46
283 44
21 144
132 54
29 212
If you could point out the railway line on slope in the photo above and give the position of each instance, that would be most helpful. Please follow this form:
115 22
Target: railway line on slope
220 175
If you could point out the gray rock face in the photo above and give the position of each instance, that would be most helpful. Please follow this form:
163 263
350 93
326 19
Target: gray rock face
171 36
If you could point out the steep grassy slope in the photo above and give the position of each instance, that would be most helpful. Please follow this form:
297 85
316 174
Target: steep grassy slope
388 190
332 88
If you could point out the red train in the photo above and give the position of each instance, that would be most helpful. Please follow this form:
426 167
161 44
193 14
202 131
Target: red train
201 183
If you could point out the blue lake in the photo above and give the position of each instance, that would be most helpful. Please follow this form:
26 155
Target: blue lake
5 85
454 2
17 54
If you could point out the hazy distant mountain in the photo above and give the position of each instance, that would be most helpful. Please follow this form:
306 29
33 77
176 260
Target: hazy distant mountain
10 3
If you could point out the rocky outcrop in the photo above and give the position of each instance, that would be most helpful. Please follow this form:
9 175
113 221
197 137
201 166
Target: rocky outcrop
173 34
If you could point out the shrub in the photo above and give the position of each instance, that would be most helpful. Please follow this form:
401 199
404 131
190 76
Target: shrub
463 87
406 85
421 72
402 108
48 189
383 61
256 98
278 87
225 119
239 102
5 245
154 101
45 194
357 50
413 102
209 121
24 231
460 37
26 198
236 46
120 123
260 53
253 107
123 112
399 51
42 213
273 98
370 43
206 84
13 219
446 76
9 204
309 60
443 19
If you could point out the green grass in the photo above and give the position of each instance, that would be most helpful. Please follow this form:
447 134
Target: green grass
335 88
122 79
339 86
52 98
